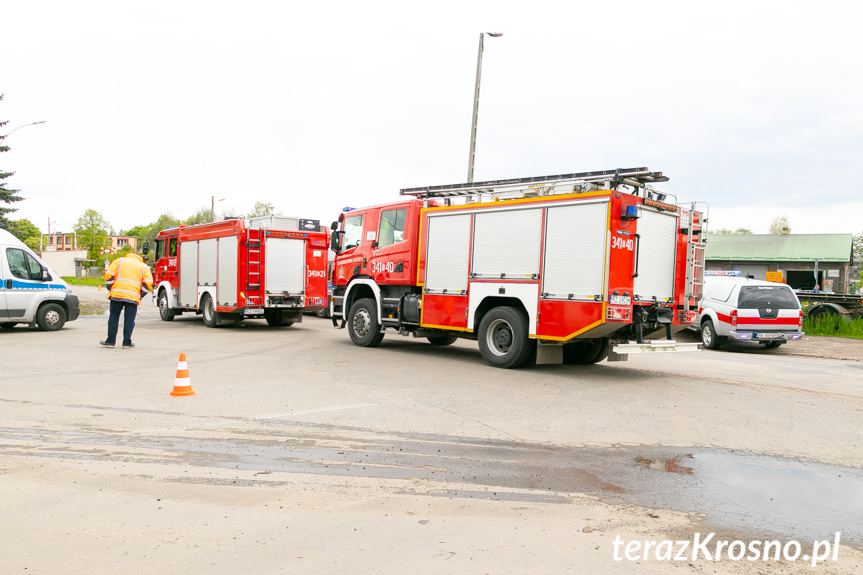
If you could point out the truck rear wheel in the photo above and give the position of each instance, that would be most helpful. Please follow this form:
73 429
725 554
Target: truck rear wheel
503 339
586 351
208 309
708 335
274 319
165 312
51 317
363 325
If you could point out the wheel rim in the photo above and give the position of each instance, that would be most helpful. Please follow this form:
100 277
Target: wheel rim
499 337
52 317
706 334
208 310
362 322
163 306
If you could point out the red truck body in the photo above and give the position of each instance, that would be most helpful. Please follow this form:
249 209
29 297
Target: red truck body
230 270
556 267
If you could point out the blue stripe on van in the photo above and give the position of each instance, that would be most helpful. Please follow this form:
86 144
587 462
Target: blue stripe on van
18 284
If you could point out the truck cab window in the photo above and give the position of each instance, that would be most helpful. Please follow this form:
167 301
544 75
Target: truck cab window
353 227
23 265
160 250
172 247
392 227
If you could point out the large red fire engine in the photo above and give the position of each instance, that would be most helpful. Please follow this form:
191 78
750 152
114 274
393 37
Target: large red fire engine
273 268
557 267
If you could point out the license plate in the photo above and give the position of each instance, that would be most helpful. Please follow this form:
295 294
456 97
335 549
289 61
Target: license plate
254 311
768 335
620 300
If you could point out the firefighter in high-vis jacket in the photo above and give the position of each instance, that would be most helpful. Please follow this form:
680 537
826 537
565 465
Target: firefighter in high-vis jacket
128 279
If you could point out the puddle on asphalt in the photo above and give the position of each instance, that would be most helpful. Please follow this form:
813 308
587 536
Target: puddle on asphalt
761 494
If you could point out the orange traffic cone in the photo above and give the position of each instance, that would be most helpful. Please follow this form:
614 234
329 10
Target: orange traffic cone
100 288
182 383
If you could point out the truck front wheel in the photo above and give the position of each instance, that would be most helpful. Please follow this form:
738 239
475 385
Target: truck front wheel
442 339
503 340
51 317
165 312
363 325
586 351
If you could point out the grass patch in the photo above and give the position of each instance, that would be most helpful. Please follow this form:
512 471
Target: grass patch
830 324
94 282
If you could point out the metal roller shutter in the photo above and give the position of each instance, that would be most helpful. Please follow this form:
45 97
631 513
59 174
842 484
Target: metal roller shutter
657 244
576 244
507 243
447 255
285 265
227 285
189 274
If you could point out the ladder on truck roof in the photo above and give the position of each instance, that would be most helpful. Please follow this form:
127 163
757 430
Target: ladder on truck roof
544 185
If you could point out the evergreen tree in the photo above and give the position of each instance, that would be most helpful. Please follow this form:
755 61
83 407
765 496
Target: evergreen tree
7 196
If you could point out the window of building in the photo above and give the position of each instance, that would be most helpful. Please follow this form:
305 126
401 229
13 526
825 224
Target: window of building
122 242
392 227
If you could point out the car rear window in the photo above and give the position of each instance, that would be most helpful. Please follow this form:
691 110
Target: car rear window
757 297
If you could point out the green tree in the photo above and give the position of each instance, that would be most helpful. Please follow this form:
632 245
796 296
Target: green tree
148 232
92 230
857 246
263 209
26 231
7 196
780 226
202 216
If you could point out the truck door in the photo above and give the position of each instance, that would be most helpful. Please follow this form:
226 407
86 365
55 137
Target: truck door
351 256
22 282
5 284
389 262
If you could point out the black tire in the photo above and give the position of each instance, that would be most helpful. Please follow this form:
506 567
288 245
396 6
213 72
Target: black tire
208 311
8 325
442 339
51 317
772 344
586 351
274 319
503 339
822 311
164 311
708 335
363 325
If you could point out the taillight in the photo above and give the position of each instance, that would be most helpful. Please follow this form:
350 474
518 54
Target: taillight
800 323
734 317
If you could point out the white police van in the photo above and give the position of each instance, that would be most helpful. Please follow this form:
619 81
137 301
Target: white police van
29 291
737 308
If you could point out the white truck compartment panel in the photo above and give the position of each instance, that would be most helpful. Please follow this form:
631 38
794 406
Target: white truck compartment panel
507 243
447 257
227 282
285 265
189 274
657 243
576 244
207 262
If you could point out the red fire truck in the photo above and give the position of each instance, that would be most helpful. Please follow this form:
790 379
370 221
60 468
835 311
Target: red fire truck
567 269
273 268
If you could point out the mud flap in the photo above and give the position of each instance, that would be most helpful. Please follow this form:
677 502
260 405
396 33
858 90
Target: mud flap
549 354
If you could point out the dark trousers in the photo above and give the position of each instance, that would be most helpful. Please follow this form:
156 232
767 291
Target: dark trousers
130 309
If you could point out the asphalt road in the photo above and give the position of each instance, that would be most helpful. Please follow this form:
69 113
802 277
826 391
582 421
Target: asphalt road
300 451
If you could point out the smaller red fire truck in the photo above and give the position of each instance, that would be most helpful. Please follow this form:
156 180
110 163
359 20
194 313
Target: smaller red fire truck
273 268
572 268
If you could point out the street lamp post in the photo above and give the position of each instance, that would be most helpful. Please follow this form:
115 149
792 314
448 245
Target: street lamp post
476 103
3 138
213 207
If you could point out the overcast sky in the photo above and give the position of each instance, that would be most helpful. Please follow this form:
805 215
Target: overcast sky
753 107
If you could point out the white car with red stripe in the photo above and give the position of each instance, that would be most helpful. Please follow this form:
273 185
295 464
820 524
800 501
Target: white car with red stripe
743 309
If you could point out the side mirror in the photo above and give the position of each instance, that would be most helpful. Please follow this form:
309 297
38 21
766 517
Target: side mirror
336 241
334 226
45 275
375 245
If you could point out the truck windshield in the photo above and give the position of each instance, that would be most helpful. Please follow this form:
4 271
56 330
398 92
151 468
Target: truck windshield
759 297
353 228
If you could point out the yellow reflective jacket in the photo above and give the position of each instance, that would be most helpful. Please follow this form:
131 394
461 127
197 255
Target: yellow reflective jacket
128 277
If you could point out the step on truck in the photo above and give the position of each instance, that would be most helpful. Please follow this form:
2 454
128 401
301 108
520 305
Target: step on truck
570 268
272 268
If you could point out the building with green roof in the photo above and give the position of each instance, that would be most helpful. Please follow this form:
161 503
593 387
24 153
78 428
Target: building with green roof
803 259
